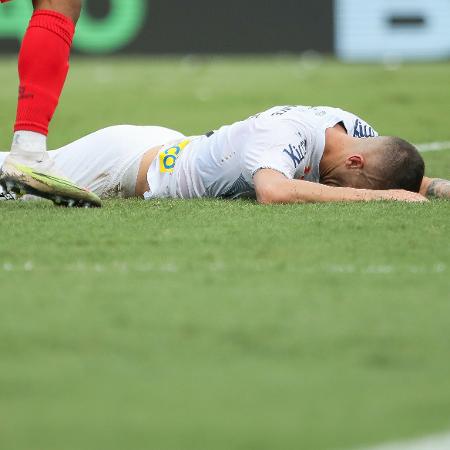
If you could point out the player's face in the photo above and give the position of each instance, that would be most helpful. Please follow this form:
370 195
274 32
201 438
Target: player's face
348 173
343 176
340 178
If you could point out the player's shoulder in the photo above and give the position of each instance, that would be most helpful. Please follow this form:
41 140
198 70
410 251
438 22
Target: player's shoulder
355 125
312 118
302 113
283 111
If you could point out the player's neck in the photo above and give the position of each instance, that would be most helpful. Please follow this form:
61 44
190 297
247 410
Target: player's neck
337 144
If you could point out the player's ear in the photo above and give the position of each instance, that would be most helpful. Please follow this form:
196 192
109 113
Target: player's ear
354 162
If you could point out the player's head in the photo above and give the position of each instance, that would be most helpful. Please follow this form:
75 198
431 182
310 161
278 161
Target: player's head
381 163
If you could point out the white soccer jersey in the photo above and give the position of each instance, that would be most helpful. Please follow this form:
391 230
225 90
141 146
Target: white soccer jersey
288 139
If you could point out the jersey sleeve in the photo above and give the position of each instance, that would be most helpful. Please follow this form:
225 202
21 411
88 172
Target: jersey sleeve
283 150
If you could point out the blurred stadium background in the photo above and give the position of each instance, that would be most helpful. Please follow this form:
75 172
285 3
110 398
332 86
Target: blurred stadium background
351 29
227 325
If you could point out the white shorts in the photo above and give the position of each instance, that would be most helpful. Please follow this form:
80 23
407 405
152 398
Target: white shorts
107 162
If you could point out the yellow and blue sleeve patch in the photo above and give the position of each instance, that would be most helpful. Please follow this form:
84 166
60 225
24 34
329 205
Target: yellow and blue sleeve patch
168 157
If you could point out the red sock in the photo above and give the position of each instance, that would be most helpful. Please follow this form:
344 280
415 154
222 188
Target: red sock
43 67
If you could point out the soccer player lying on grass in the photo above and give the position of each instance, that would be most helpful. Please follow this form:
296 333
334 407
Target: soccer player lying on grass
289 154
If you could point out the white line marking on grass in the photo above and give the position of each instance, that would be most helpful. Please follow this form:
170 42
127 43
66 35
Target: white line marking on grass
378 270
433 146
436 442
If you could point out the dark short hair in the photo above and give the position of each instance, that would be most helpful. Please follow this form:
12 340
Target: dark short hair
401 165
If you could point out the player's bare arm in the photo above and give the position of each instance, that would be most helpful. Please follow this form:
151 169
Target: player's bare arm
435 188
273 187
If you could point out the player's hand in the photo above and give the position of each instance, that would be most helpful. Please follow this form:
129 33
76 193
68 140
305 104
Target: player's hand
435 188
404 196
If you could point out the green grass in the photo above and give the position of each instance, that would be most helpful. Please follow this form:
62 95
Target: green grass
209 324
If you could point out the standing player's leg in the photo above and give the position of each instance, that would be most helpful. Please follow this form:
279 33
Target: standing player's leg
43 66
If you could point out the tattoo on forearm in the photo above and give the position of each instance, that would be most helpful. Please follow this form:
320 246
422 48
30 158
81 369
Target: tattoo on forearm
439 189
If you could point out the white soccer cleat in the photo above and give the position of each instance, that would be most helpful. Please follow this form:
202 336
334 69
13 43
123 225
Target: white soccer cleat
22 174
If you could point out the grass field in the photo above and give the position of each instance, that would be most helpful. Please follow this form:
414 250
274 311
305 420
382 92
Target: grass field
215 325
